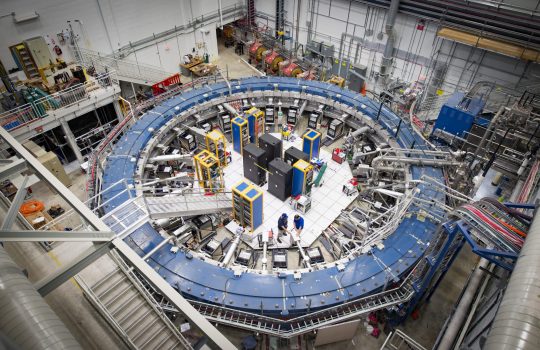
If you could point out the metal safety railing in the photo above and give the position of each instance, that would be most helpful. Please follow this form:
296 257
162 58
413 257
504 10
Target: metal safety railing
397 340
46 105
125 68
97 157
128 277
287 328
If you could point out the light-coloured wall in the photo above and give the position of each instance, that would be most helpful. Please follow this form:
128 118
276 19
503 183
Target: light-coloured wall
107 25
415 48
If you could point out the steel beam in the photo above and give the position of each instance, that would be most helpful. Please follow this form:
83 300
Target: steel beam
59 277
7 235
151 275
70 138
11 167
46 176
15 205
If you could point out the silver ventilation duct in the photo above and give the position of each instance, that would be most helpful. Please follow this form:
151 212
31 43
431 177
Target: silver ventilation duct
517 323
26 320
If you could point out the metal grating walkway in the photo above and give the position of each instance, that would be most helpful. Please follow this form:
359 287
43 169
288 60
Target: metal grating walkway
310 322
126 216
187 204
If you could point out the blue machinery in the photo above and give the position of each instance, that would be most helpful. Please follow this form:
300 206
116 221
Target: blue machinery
283 304
239 134
311 143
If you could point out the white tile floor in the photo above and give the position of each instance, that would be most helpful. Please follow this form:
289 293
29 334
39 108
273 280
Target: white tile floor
327 201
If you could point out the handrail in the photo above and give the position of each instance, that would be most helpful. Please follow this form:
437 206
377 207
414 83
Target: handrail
308 322
41 107
125 68
117 131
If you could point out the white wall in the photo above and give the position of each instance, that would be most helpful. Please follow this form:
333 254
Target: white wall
416 47
108 25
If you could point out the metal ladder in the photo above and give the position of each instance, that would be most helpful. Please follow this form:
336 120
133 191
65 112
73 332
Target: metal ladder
133 313
251 12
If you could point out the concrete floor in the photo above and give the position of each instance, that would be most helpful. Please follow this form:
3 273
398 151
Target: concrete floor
93 333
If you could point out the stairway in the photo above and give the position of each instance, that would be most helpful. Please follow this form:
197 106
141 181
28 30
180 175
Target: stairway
133 313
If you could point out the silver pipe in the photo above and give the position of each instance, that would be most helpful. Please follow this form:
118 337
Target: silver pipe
26 319
220 15
230 109
264 258
231 250
517 323
158 247
462 309
415 161
389 48
169 157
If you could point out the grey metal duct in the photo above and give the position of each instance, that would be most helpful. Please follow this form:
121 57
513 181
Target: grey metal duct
388 55
517 324
25 318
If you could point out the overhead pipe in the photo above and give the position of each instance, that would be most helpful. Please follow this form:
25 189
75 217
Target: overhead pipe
388 54
220 14
462 310
517 28
492 124
517 322
26 319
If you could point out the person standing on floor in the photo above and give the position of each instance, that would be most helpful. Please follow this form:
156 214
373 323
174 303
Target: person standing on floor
298 224
282 226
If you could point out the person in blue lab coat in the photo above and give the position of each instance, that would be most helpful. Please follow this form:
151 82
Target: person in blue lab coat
282 226
298 224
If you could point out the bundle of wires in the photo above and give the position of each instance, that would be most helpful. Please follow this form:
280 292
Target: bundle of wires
495 224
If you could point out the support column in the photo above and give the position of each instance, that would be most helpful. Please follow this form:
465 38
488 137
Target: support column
118 110
71 141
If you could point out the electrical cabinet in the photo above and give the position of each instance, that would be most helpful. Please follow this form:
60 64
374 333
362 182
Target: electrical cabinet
272 146
302 178
315 119
280 179
269 115
239 134
224 120
293 154
209 173
40 51
255 118
292 113
247 205
188 141
335 130
217 145
311 144
254 167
